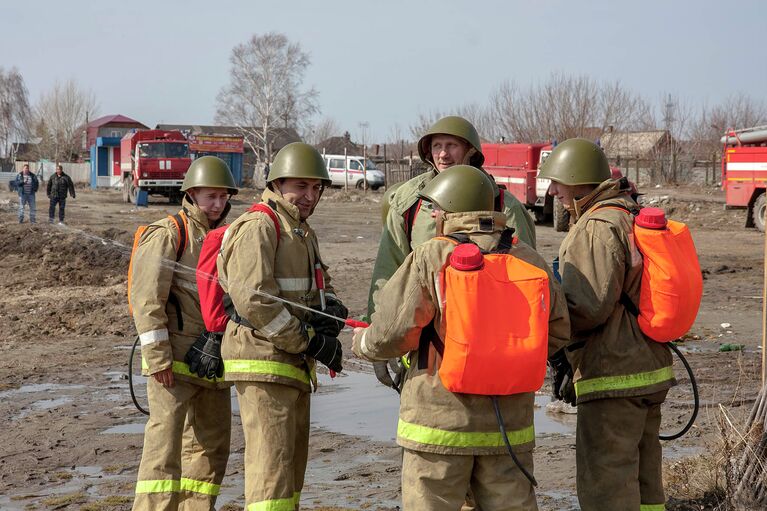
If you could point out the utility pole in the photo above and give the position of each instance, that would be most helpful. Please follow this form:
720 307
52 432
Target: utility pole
668 119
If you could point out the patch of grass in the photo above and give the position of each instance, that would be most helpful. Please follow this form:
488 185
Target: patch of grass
62 501
62 476
107 504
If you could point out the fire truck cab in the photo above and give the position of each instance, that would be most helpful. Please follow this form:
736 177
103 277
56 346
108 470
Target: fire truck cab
744 172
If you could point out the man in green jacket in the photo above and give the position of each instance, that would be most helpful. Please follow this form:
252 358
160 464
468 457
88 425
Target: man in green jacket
410 222
621 376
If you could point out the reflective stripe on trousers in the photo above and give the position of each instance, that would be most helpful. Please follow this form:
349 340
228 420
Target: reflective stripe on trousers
652 507
181 368
441 437
622 382
172 486
276 504
267 367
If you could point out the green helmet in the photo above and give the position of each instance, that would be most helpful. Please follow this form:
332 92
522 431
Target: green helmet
457 127
460 188
210 172
386 200
576 161
299 160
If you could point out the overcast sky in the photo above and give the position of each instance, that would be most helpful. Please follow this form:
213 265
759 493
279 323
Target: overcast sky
383 62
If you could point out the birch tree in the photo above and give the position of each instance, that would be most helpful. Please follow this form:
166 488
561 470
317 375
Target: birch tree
15 112
60 116
265 90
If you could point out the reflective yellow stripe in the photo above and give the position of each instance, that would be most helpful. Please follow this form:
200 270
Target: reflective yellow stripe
627 381
157 486
433 436
266 367
179 368
289 504
200 487
406 361
652 507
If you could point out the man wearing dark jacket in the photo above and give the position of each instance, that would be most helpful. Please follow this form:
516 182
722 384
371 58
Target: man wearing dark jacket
58 186
26 184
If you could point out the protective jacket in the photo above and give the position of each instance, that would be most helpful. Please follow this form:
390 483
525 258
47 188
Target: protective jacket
58 186
598 260
394 246
431 418
251 260
166 306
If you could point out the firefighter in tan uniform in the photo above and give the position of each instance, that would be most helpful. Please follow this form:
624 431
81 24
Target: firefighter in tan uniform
621 377
270 348
186 440
452 441
408 221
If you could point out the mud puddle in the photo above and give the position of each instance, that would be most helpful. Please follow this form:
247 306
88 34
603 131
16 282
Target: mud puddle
357 404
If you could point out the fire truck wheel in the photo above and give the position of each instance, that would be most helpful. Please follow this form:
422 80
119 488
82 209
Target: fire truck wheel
560 216
126 190
132 192
760 208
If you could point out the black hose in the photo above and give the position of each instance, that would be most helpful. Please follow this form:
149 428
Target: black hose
130 378
497 408
696 397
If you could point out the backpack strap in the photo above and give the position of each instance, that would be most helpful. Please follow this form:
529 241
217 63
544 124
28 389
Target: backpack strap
269 209
183 233
506 242
501 199
409 217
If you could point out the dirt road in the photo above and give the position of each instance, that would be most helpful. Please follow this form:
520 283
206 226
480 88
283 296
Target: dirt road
71 438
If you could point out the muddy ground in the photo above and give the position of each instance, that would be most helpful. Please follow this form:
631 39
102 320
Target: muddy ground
71 438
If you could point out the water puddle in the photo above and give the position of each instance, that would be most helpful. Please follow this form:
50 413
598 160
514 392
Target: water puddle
47 404
136 428
31 388
357 404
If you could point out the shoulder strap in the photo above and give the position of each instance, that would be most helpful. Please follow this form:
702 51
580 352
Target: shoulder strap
506 242
501 199
269 210
409 217
183 235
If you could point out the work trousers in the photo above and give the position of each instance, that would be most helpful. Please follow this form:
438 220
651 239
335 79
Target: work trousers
618 454
275 420
27 200
62 202
438 482
186 447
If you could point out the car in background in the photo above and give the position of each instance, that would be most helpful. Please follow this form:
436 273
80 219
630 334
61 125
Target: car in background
353 171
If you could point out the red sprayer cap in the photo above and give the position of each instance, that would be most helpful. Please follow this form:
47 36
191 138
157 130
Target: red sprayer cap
466 257
651 218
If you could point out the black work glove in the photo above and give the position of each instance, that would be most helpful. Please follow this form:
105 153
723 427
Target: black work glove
204 357
324 348
390 372
562 380
329 326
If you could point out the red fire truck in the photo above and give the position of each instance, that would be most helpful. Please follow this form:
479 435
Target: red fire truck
516 167
744 172
154 161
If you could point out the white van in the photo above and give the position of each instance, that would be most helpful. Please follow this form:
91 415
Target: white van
355 168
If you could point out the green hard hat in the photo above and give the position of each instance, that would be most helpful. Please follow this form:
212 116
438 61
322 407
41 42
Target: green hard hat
457 127
460 188
210 172
299 160
386 200
576 161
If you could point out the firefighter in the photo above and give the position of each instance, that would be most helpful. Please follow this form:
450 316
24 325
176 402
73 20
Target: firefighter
451 440
180 471
450 141
270 348
620 376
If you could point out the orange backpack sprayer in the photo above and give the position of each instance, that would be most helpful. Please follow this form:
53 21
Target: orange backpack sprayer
488 350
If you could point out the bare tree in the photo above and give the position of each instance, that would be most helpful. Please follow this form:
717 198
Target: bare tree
710 123
563 107
59 117
477 114
264 90
321 131
15 112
